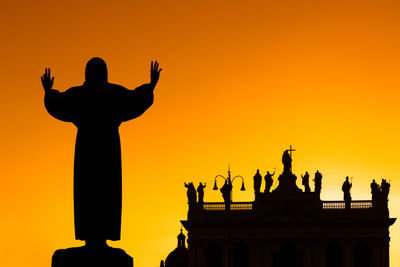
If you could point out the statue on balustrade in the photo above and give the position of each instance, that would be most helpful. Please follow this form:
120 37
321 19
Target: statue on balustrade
375 190
318 182
287 162
191 193
257 181
305 182
385 187
346 187
268 181
200 191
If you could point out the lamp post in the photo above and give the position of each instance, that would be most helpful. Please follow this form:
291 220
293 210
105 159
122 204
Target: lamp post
226 190
228 186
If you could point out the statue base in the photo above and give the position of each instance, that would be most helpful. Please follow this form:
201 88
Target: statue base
85 257
287 184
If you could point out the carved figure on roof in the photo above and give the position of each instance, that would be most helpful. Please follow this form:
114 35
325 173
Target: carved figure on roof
191 193
346 187
257 179
318 182
200 191
287 161
268 181
375 190
306 182
385 187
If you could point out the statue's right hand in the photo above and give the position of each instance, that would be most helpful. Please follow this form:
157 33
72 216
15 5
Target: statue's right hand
154 73
47 81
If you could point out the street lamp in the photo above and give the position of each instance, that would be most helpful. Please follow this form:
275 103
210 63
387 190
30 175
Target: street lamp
229 181
228 187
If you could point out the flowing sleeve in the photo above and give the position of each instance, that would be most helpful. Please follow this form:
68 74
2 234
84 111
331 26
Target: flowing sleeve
134 103
60 105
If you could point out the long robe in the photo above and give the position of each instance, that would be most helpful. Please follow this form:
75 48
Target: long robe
346 190
97 110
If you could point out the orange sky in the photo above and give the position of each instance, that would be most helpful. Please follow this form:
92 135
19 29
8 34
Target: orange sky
242 81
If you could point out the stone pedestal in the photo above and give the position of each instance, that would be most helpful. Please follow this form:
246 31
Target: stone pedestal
88 257
287 184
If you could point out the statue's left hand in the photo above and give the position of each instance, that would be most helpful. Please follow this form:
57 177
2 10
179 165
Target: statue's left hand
47 82
154 73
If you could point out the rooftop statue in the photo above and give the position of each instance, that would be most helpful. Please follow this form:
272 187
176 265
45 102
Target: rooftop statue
191 193
385 187
257 179
305 182
317 182
375 190
287 161
268 181
200 191
380 193
346 187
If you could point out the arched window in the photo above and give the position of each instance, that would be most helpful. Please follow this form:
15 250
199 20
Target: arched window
361 254
241 257
287 255
214 255
334 255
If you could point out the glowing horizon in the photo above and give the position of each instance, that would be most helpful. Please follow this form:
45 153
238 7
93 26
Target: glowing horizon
241 81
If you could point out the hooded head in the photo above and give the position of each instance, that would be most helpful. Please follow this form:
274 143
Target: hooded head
96 71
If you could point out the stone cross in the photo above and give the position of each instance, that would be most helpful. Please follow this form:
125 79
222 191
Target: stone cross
290 150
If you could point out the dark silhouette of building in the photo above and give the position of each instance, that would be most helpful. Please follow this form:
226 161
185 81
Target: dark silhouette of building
289 227
179 256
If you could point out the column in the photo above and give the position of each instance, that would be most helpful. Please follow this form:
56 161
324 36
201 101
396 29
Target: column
347 254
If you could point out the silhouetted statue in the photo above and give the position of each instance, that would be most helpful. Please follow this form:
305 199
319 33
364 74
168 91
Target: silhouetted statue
226 190
200 191
97 108
375 190
385 187
191 193
317 182
346 187
268 181
162 264
257 181
305 182
287 161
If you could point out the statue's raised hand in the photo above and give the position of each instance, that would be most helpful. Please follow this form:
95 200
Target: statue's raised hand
154 73
47 81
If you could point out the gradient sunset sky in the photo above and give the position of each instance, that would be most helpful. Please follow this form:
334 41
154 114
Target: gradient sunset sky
241 81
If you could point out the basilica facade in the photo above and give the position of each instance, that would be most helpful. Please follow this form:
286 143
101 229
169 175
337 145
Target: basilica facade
287 227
